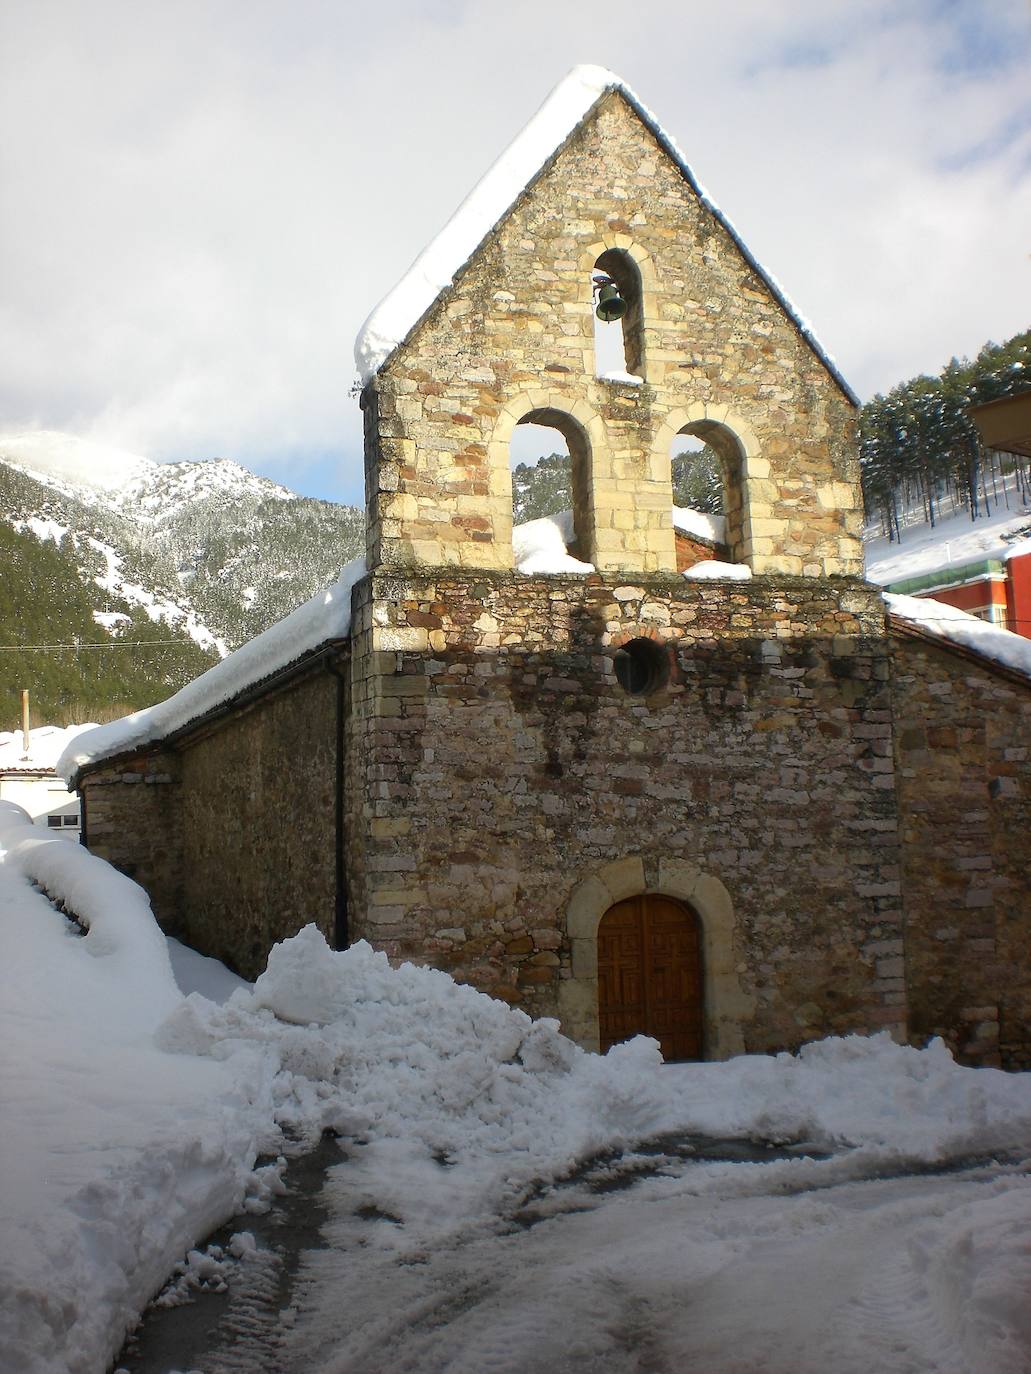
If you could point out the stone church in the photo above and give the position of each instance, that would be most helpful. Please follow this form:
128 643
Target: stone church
735 813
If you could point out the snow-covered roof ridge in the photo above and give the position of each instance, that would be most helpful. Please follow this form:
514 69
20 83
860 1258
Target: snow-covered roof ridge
436 267
46 744
320 621
956 627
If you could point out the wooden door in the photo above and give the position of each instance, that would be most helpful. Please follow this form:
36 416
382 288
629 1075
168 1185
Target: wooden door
650 975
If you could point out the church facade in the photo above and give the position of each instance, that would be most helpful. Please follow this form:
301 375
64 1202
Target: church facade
737 813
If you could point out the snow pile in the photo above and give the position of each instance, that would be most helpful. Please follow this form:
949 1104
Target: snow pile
128 1138
325 617
437 266
115 1157
195 972
957 627
114 911
700 525
539 546
424 1069
46 745
712 569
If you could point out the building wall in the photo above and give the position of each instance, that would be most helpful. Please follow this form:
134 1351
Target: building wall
514 338
232 835
985 598
1018 594
257 801
503 790
46 799
963 765
132 818
690 551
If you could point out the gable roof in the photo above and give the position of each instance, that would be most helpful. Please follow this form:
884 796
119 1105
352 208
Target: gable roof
436 267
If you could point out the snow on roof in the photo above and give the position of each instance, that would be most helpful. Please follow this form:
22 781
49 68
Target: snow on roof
46 745
698 524
539 546
435 269
324 618
957 627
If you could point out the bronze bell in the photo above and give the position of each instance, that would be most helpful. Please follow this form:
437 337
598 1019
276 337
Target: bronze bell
611 305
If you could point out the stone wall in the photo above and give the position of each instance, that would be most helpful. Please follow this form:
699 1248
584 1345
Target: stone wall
513 340
257 799
131 818
500 779
232 833
963 765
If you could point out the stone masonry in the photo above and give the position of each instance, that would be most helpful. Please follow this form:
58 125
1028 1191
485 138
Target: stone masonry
496 761
962 732
513 340
230 830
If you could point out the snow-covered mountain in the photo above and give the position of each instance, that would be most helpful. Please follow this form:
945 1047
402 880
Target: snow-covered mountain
201 551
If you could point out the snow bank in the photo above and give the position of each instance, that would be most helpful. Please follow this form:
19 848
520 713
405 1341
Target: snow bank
127 1140
195 972
539 546
423 1069
713 569
711 528
325 617
114 910
957 627
115 1156
437 266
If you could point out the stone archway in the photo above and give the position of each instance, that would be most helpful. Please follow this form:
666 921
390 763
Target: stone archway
748 491
727 1007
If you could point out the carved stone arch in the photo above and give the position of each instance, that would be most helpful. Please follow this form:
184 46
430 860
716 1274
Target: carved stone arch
584 433
747 483
647 313
727 1006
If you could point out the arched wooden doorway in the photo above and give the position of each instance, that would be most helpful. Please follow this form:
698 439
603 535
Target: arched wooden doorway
650 975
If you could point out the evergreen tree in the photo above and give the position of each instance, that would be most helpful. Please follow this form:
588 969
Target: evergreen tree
918 444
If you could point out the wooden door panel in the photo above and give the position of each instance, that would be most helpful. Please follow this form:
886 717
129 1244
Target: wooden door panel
650 975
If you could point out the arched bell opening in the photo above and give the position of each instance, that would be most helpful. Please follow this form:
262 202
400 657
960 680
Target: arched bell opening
618 315
707 464
558 446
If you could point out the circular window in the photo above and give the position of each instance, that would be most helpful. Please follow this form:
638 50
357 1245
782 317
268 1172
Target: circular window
642 667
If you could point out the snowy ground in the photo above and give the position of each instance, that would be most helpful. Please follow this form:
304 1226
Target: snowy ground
497 1208
951 541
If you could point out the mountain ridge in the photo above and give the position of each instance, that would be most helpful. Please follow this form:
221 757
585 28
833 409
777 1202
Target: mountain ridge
111 549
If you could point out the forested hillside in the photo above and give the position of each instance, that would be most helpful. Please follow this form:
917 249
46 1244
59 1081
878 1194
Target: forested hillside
919 448
45 603
127 577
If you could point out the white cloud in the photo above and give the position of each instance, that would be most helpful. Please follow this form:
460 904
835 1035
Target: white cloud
202 201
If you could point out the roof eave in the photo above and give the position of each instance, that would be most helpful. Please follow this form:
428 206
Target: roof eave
213 717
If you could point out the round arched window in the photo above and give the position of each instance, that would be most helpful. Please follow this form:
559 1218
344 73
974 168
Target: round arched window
642 667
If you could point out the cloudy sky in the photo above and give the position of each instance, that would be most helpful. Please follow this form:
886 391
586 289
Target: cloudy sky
201 200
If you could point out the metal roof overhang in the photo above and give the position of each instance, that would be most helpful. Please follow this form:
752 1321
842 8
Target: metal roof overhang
1006 423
